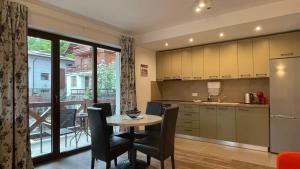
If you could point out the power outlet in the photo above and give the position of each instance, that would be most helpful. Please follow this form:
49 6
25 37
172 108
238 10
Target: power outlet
194 94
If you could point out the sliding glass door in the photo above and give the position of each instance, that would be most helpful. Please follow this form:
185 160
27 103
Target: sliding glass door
66 76
40 92
76 94
108 81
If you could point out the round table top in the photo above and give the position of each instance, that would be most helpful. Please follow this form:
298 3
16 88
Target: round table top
125 121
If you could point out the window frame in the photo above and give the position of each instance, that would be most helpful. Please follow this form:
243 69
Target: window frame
55 83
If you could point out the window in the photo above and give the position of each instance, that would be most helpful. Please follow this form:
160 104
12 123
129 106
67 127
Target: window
73 81
44 76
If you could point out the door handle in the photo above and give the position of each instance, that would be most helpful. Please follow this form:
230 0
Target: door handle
282 116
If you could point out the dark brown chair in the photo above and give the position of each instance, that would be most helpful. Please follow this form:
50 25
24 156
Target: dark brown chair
105 147
160 146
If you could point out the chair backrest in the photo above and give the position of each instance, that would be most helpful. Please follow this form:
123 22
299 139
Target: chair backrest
99 133
154 108
106 107
67 118
168 128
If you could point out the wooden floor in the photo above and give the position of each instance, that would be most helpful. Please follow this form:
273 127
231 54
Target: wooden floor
188 155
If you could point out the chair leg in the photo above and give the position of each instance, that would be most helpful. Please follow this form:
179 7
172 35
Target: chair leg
162 164
148 160
116 161
173 161
66 141
108 165
93 163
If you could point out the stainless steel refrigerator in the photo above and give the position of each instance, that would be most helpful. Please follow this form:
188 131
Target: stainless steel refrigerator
285 105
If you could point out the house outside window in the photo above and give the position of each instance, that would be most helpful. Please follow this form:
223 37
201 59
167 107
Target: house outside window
73 81
44 76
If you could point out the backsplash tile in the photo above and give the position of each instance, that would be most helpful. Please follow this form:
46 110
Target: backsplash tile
234 90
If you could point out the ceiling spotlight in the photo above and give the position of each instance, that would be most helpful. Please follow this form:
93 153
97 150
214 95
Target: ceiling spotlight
258 28
166 44
197 9
201 4
221 34
191 40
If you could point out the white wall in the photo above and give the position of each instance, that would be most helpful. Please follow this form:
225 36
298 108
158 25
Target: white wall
143 84
52 19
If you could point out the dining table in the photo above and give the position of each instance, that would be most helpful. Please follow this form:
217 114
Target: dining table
124 121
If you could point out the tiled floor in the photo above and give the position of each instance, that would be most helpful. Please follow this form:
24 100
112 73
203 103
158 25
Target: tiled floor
188 155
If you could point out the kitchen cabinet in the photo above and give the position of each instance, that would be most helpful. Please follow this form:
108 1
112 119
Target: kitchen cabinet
188 120
212 61
228 60
159 66
245 58
176 64
252 126
285 45
261 56
166 65
197 62
186 68
208 122
226 123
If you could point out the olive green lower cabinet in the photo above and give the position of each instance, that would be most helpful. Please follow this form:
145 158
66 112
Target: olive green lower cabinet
248 125
226 129
208 122
252 125
188 120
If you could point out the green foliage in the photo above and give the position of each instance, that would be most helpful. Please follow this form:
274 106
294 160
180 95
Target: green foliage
106 76
44 46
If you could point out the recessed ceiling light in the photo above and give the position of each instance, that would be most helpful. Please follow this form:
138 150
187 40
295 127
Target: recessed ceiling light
202 4
221 34
166 44
258 28
191 40
197 9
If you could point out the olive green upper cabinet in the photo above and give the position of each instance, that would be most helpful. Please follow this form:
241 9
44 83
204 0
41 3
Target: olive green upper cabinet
245 58
261 56
166 65
186 68
176 64
197 62
159 66
228 60
212 61
285 45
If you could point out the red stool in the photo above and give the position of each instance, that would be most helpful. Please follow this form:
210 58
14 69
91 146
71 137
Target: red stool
288 160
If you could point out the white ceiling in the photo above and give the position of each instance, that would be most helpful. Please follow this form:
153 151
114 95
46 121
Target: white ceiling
140 16
155 22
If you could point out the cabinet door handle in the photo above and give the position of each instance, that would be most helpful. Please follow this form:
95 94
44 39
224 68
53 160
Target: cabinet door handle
261 75
209 108
187 130
245 75
197 78
226 76
187 122
243 110
287 54
282 116
222 108
213 77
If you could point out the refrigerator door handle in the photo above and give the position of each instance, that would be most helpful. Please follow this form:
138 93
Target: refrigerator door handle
282 116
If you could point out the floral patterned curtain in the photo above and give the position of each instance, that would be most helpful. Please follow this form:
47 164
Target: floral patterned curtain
14 131
128 89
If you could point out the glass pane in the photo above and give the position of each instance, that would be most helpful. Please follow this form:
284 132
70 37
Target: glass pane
75 94
39 71
108 81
